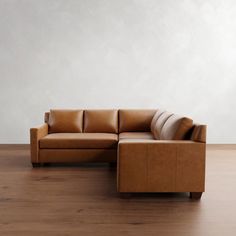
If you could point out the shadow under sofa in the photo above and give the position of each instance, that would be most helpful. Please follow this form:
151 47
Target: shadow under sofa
150 139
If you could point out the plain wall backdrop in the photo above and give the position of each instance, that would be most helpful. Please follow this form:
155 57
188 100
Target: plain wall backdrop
177 55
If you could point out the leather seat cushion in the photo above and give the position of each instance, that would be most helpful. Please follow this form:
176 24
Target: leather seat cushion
79 140
135 135
69 121
135 120
176 128
101 121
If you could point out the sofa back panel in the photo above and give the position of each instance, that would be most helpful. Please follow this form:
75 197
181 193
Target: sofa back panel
65 121
135 120
160 123
176 128
101 121
199 133
155 118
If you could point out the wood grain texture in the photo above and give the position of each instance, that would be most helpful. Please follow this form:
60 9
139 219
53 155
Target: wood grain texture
82 200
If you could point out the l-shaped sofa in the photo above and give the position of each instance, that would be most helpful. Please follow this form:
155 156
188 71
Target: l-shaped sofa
155 150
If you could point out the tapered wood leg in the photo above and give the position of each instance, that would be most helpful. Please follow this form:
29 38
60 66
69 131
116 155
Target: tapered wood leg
195 195
112 164
46 164
36 165
125 195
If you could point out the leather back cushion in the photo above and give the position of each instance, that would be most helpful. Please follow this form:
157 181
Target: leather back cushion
160 123
155 118
135 120
176 128
65 121
101 121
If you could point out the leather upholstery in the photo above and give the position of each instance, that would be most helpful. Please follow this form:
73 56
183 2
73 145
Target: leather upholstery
79 140
155 118
77 155
101 121
46 117
144 164
135 135
135 120
176 128
161 166
61 121
35 135
159 156
199 133
160 123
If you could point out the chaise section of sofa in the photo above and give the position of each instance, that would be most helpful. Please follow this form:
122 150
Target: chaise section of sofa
174 161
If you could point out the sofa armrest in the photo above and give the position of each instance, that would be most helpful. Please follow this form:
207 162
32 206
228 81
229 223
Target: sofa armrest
161 166
36 134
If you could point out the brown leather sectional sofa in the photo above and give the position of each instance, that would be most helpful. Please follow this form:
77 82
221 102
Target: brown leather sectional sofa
155 150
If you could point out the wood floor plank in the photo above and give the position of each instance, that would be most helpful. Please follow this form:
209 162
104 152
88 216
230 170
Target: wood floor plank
82 200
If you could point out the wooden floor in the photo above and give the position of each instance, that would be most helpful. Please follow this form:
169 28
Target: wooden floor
82 200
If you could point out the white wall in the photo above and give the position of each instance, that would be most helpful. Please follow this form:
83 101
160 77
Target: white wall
178 55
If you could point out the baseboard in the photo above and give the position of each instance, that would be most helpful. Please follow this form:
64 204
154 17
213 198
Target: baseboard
221 146
14 146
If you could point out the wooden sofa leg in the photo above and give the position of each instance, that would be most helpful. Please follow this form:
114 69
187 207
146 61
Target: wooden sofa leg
112 164
195 195
125 195
36 165
46 164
